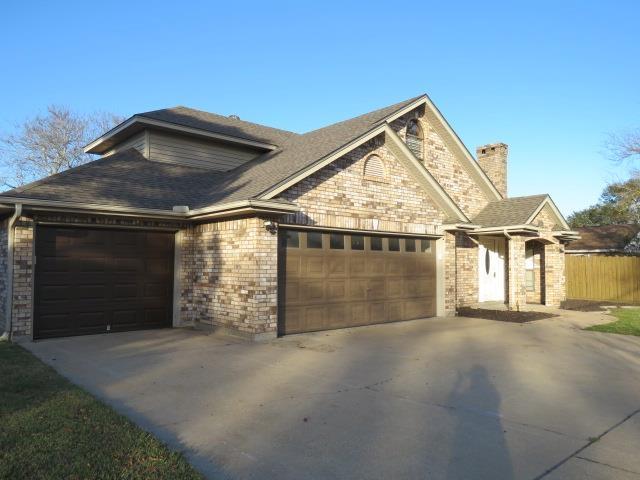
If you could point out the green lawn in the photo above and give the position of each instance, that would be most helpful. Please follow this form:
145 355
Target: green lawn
628 322
51 429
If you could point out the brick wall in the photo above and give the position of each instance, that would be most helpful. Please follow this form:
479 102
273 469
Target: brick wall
554 274
23 277
467 270
516 283
444 166
229 276
493 160
339 196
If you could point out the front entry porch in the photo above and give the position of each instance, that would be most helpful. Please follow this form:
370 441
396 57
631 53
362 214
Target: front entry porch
515 270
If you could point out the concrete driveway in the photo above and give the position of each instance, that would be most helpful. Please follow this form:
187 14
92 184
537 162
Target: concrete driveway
449 398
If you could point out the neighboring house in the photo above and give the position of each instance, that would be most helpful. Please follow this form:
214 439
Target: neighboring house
607 240
192 218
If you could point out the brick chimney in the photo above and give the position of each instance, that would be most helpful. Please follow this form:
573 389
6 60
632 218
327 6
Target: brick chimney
493 160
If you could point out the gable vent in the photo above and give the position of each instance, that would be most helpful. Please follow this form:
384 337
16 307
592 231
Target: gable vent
373 167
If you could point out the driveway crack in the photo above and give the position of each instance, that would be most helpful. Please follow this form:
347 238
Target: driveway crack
591 441
607 465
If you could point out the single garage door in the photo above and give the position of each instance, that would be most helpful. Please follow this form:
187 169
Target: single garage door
332 280
100 280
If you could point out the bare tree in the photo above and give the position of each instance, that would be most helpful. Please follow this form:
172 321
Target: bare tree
49 144
624 146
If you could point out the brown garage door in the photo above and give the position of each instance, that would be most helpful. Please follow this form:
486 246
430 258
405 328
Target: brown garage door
333 280
99 280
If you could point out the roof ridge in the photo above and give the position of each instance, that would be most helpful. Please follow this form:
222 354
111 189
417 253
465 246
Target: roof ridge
399 106
227 117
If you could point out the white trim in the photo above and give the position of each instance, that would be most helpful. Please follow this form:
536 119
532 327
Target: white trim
232 208
463 151
412 106
323 162
144 121
556 211
504 230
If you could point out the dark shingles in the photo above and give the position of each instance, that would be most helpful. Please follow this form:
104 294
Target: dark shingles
296 154
128 179
123 179
508 211
604 237
215 123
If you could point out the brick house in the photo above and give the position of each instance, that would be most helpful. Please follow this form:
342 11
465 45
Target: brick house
192 218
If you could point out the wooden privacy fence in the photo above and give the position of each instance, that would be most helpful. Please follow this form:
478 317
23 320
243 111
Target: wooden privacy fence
614 278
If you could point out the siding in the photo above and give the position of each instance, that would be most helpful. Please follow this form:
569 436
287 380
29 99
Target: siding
194 152
137 141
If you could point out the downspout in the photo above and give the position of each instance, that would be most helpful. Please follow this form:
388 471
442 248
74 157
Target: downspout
8 315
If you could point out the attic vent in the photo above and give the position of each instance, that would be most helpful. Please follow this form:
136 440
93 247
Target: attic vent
235 117
374 168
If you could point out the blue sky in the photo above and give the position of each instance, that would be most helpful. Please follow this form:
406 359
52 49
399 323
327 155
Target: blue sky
549 78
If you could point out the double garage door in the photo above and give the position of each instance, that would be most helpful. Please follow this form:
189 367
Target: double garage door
101 280
332 280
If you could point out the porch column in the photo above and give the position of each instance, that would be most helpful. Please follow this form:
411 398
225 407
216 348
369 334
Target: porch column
517 291
554 277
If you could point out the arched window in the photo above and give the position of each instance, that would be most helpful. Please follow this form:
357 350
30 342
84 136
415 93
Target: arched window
374 168
415 138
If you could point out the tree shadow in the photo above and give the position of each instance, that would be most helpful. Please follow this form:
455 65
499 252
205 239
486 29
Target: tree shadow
475 404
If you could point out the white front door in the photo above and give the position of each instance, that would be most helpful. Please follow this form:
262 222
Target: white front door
491 252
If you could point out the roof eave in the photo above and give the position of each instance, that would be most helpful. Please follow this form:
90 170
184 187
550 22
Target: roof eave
212 212
107 141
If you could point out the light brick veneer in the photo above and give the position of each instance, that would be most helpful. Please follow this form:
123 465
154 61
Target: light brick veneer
23 277
339 196
229 276
444 166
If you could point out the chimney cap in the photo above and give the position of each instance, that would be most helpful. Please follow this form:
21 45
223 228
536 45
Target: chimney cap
492 146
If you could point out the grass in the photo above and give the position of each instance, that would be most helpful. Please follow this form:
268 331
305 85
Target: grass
51 429
627 323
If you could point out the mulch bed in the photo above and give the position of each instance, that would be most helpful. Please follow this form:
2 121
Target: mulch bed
504 315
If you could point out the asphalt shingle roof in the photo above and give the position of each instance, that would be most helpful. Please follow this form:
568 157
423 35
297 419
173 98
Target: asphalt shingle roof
604 237
129 179
508 211
215 123
125 179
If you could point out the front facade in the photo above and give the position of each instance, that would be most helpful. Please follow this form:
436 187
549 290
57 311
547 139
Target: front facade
190 218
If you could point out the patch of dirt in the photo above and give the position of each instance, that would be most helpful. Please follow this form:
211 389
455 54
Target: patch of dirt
587 305
504 315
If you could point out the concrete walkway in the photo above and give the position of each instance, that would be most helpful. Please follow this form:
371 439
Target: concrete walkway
446 398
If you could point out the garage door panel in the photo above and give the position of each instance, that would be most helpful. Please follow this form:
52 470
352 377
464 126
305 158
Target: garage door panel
313 291
336 291
90 292
292 294
358 288
377 312
336 266
338 287
394 287
375 264
357 266
89 280
313 266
